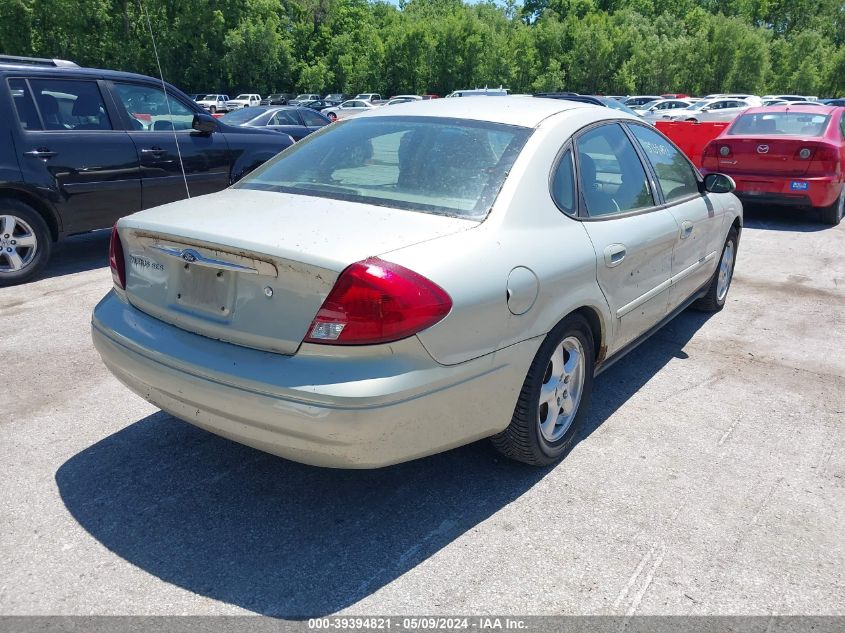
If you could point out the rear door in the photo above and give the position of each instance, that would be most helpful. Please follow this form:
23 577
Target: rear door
633 237
67 143
162 133
699 221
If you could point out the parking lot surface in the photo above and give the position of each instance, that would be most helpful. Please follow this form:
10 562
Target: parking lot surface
710 477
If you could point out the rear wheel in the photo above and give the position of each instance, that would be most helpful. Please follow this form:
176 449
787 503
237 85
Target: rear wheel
25 242
833 214
717 291
332 117
554 396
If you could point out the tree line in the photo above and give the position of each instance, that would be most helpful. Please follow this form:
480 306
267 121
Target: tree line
436 46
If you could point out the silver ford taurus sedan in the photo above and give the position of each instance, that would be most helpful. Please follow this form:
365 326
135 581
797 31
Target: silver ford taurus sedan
417 278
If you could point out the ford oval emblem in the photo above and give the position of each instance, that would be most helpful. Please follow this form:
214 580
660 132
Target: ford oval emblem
762 149
189 256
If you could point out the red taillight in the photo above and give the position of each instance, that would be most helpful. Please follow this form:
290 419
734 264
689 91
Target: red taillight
824 160
374 301
710 156
116 262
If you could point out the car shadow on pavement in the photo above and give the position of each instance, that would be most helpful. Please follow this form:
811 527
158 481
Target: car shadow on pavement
287 540
779 218
78 253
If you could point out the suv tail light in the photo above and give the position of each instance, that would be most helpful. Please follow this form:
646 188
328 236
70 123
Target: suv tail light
116 262
374 301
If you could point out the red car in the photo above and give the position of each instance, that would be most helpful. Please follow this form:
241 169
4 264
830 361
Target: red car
792 155
675 95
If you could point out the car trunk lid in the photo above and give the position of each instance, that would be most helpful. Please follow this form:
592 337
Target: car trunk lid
253 268
771 156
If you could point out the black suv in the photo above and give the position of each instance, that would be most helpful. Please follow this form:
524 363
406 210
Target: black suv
83 147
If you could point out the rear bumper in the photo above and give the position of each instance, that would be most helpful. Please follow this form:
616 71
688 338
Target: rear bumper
360 408
819 192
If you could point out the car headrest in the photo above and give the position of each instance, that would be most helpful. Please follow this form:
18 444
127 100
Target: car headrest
86 105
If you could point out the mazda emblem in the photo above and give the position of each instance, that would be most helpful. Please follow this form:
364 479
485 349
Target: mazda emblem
188 256
762 149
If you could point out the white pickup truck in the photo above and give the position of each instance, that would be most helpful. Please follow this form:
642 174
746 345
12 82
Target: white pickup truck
244 101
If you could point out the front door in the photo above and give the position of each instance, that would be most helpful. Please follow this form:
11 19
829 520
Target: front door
632 238
699 220
67 144
165 142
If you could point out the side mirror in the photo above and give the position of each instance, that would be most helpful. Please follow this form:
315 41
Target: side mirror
719 183
204 123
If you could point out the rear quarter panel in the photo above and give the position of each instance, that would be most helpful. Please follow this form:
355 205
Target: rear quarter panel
524 229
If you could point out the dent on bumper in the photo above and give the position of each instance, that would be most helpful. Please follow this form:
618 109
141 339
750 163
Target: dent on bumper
358 408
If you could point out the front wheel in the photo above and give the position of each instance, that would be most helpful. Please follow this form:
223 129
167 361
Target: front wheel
720 283
554 397
25 242
213 109
833 214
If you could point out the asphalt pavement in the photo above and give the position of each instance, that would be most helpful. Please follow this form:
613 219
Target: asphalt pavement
710 478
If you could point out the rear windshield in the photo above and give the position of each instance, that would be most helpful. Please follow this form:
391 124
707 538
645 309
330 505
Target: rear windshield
437 165
781 123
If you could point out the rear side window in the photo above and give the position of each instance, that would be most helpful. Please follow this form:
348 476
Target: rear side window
24 105
285 117
311 118
612 178
70 104
673 171
563 184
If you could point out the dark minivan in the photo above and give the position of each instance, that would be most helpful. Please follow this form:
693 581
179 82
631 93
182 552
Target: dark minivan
85 147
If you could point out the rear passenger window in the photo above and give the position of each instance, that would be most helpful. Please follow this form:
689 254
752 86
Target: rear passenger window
312 119
612 178
24 105
70 105
563 184
285 117
674 173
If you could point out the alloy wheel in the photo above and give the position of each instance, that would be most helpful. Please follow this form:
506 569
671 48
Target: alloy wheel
18 244
726 268
560 392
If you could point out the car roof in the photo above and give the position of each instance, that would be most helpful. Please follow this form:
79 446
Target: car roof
802 109
70 71
522 111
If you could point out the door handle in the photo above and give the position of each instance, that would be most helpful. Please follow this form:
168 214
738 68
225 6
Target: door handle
41 152
614 254
686 229
155 151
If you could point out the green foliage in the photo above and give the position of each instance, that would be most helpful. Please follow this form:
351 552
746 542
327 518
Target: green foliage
418 46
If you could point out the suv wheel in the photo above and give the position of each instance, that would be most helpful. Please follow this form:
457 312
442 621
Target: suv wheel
212 109
25 242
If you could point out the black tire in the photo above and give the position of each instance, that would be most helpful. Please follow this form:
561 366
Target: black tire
522 440
31 219
332 117
832 215
711 302
213 109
